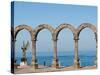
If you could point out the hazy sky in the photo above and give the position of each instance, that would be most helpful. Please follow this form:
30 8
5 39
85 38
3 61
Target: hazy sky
33 14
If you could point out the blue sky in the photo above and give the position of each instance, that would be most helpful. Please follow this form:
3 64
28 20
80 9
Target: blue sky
33 14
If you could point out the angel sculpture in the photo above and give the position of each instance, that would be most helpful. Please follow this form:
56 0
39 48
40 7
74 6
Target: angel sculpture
24 48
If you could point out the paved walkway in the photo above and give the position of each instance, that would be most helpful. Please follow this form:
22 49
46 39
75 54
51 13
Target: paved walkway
29 69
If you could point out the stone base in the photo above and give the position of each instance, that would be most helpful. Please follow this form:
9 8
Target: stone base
76 64
34 65
95 62
55 64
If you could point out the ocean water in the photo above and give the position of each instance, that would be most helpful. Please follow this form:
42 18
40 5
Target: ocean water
64 61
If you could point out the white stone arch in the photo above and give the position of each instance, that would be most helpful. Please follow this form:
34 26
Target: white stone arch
55 37
86 25
61 27
93 28
35 34
21 27
26 27
41 27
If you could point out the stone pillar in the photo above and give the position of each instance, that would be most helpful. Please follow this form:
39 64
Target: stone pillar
76 58
95 61
34 62
13 51
55 60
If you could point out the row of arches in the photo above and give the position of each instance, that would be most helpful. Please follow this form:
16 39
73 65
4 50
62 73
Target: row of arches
54 33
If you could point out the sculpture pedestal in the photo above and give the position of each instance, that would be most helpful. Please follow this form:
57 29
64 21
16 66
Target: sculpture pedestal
23 61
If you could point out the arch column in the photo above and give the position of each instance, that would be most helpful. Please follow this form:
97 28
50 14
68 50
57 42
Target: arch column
55 59
95 61
34 61
13 43
76 58
13 61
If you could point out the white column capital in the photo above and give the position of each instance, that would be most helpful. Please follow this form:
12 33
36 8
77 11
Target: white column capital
55 39
34 39
76 38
